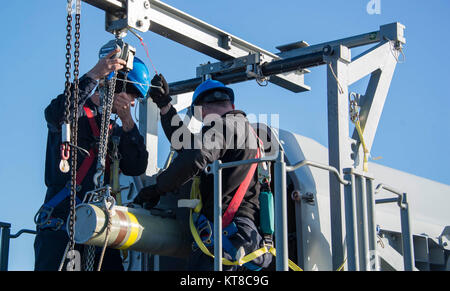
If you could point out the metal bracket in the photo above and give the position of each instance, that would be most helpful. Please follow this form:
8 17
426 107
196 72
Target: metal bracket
238 64
307 198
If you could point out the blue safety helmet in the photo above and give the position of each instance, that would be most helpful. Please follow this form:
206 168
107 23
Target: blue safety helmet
210 86
140 77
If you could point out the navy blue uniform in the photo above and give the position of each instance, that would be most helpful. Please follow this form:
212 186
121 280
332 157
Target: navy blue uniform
49 244
191 162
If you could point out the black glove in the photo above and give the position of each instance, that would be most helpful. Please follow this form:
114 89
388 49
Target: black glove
160 93
148 197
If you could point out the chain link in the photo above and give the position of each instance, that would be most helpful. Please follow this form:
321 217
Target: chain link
107 100
74 130
68 84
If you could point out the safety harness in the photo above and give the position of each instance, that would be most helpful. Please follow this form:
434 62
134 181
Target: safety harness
202 231
43 218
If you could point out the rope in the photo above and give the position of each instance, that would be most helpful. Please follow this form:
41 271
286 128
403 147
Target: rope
396 50
340 88
108 232
141 40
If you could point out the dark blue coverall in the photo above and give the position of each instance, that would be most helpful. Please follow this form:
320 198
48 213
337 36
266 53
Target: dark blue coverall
50 244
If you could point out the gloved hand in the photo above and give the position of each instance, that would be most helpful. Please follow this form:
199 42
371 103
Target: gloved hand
148 197
160 93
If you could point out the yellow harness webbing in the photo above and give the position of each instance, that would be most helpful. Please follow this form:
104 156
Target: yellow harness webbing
195 194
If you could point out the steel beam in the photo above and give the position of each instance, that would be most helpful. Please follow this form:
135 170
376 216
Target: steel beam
169 22
393 31
380 62
268 70
217 215
109 6
338 142
281 242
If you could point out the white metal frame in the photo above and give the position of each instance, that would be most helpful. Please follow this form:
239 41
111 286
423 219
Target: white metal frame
379 61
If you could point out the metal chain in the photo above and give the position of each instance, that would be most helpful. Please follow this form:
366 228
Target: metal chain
89 258
74 130
65 142
107 104
107 100
68 84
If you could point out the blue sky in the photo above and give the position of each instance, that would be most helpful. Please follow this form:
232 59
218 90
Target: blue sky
412 135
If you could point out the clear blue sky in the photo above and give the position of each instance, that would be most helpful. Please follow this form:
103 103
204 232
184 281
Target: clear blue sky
412 136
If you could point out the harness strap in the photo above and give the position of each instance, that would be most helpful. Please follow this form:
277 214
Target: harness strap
92 122
239 195
242 261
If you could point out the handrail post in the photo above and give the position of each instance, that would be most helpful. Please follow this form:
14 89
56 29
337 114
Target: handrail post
4 247
407 242
281 243
217 215
408 256
350 223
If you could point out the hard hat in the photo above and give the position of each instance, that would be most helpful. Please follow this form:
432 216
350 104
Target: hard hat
139 78
210 86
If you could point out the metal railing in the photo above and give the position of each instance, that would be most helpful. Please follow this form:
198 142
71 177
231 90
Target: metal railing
407 241
6 236
361 233
280 189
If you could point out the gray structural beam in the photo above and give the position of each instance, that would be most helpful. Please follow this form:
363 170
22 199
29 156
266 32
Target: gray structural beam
167 21
380 62
342 71
339 144
110 6
241 74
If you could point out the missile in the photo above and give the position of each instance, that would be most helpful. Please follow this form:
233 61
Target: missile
132 229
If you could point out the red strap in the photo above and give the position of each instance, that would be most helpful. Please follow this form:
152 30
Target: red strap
85 166
88 161
92 122
239 195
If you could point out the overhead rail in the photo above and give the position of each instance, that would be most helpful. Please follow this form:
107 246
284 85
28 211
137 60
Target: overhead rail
169 22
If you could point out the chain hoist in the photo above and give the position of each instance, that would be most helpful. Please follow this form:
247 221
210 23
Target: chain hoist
69 131
107 92
76 73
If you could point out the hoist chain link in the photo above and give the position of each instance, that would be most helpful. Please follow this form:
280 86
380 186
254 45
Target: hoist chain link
74 130
107 105
68 63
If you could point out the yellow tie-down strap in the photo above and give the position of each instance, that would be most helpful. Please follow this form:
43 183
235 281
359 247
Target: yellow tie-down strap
195 194
363 143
